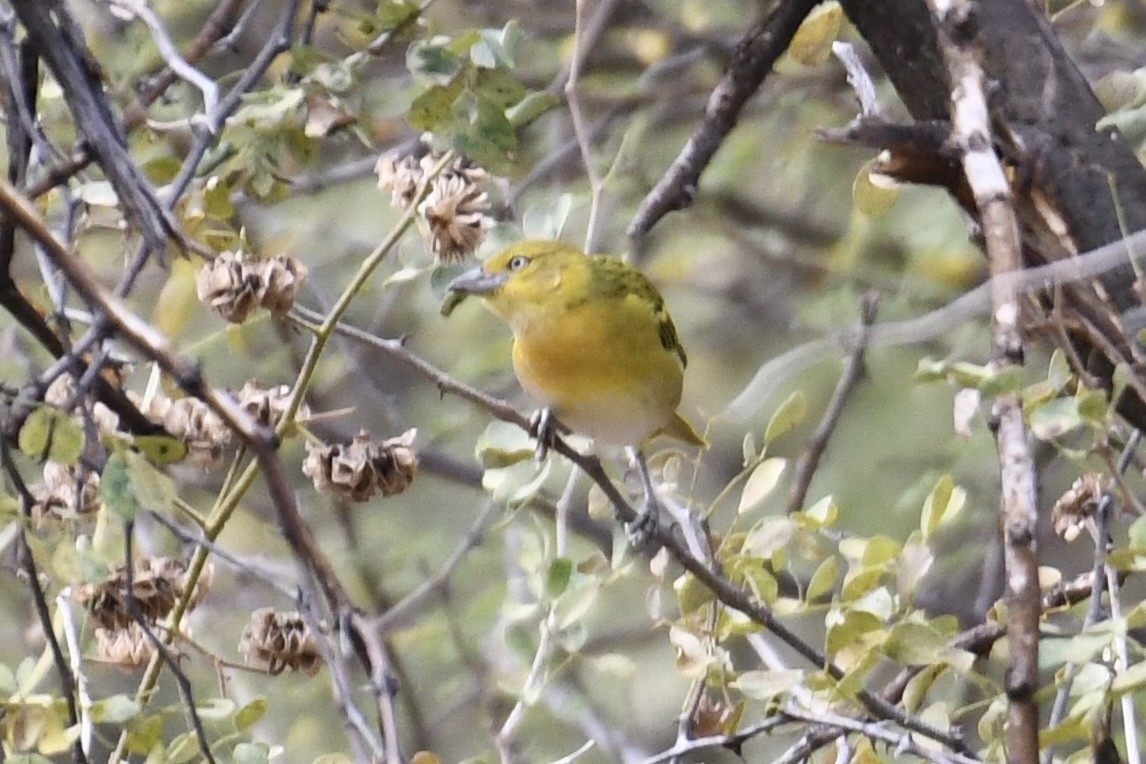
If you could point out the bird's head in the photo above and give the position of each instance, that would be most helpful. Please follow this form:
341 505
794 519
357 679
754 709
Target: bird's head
523 277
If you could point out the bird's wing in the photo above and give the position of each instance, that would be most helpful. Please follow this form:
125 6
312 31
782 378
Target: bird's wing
619 280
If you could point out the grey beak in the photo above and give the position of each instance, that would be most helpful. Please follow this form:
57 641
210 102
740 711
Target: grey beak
476 281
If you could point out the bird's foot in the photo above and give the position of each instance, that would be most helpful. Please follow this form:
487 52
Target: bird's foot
644 527
543 429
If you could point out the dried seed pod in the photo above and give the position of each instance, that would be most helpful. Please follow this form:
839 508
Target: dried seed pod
62 394
268 405
395 463
454 216
228 286
1077 506
157 583
127 646
344 469
400 174
455 212
280 279
355 471
280 641
192 421
68 492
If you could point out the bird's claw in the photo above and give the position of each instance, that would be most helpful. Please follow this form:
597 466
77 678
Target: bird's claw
543 429
644 526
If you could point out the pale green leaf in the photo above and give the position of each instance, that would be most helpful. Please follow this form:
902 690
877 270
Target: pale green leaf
760 483
787 417
765 685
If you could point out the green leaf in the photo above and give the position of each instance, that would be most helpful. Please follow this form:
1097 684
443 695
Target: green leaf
945 501
1130 680
160 449
532 106
250 713
152 489
691 594
216 709
182 749
490 141
434 107
433 59
502 444
812 43
251 753
394 13
787 416
1055 418
765 685
849 629
760 483
1000 382
1092 407
822 514
914 644
769 536
115 488
116 709
51 434
560 571
874 194
499 87
823 580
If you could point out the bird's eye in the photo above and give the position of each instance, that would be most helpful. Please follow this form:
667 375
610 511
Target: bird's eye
517 262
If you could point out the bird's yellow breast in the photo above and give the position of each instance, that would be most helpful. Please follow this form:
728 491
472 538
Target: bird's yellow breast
601 366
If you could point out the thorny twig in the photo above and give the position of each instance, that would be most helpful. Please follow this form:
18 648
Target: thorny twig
818 443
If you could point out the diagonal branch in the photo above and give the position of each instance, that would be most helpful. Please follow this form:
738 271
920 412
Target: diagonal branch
751 62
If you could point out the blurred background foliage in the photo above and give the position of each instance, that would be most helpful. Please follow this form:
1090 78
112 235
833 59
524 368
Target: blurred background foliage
778 249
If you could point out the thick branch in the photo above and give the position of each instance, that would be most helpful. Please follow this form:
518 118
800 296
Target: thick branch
988 182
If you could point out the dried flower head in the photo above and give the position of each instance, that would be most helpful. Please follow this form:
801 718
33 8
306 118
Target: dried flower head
268 405
68 492
282 277
61 394
233 284
1077 506
157 583
193 422
357 470
400 174
344 469
395 463
228 286
280 641
127 646
454 215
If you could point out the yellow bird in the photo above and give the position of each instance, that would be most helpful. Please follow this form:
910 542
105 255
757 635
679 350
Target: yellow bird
593 344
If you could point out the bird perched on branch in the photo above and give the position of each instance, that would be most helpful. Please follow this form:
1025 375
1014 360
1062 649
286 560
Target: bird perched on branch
593 344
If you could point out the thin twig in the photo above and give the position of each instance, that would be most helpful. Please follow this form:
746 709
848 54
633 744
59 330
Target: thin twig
39 600
931 325
135 610
581 128
853 370
751 62
405 607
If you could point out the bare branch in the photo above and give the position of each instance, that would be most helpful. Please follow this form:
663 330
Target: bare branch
853 370
971 128
751 62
